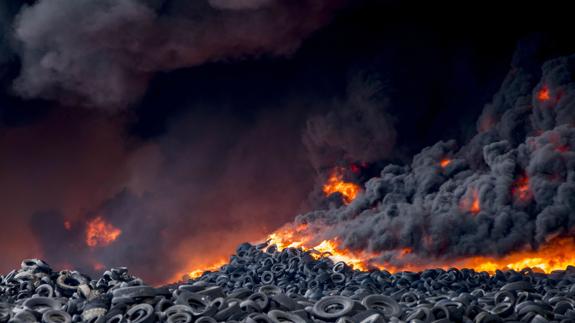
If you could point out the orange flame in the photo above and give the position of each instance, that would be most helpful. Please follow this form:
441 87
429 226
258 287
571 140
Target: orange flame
543 94
445 162
197 272
336 184
101 233
291 238
471 203
556 254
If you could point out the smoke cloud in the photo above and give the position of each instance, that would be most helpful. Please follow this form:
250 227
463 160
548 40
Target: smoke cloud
173 198
103 53
510 187
356 129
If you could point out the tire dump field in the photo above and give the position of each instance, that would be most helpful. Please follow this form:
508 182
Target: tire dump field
262 284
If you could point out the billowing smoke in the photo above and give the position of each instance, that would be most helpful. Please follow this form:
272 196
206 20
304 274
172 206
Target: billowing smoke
511 186
180 202
356 129
222 173
103 53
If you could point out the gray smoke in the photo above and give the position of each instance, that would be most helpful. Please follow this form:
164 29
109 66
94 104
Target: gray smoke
428 208
356 129
103 53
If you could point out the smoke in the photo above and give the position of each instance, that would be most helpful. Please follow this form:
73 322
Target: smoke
182 201
510 187
55 169
356 129
239 4
103 53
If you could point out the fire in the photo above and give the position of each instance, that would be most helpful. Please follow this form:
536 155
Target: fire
195 273
336 184
445 162
101 233
471 202
521 189
543 94
556 254
290 238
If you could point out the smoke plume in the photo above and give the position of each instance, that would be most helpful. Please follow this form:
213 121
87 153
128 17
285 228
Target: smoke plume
356 129
512 186
103 53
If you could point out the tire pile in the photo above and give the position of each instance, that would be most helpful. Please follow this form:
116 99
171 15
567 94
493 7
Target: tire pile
261 284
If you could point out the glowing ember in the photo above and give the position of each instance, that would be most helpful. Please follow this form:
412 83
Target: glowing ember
543 94
471 202
101 233
521 189
336 184
67 225
445 162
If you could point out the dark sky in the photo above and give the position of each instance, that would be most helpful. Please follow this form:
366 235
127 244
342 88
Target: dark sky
210 142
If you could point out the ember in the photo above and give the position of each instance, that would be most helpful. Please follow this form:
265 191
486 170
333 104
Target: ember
445 162
543 94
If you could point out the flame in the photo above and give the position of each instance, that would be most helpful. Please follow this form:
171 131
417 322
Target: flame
543 94
101 233
197 272
471 202
521 189
445 162
336 184
292 238
556 254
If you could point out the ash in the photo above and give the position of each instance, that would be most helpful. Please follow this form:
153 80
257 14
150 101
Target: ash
262 284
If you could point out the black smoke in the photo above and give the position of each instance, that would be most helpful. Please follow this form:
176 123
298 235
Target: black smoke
426 207
103 54
238 109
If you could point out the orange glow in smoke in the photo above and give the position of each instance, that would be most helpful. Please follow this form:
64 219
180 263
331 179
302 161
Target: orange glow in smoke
336 184
101 233
521 189
470 203
67 225
445 162
543 94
